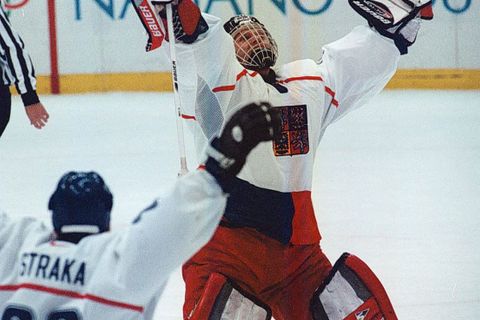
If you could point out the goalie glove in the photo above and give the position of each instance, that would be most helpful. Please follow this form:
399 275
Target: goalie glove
188 22
248 127
399 20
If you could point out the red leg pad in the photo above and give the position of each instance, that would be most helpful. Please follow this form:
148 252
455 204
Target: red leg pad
222 299
352 292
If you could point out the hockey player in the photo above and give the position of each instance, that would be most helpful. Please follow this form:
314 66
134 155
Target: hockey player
82 271
265 257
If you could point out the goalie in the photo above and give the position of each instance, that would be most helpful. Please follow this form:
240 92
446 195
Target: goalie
265 258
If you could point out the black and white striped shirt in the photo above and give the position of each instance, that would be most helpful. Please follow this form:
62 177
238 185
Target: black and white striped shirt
15 63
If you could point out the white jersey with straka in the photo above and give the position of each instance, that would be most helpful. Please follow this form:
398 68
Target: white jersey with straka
273 192
113 275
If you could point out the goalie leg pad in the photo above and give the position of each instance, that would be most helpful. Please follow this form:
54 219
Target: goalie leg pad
222 299
351 292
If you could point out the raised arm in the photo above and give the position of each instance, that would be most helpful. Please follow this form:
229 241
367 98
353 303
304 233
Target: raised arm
359 65
205 52
356 68
173 229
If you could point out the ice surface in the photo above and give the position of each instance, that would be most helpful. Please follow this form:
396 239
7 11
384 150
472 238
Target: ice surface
396 183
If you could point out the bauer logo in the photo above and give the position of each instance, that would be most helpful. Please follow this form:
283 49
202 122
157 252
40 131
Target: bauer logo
150 21
294 138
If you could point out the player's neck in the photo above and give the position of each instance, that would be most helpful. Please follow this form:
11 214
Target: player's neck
264 72
268 75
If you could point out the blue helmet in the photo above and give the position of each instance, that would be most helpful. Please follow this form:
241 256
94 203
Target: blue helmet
81 203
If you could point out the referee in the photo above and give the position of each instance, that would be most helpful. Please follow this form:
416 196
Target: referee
16 68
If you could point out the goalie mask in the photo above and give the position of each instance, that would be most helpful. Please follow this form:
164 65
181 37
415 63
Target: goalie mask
254 46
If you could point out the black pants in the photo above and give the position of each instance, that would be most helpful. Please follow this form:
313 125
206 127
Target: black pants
5 107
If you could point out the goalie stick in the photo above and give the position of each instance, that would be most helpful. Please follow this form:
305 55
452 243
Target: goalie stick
156 36
176 95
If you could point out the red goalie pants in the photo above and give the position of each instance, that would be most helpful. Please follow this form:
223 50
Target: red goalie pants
282 276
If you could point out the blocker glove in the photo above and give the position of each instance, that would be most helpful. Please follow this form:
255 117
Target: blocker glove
248 127
188 22
399 20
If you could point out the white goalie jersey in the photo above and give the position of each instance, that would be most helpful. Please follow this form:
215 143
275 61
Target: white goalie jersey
311 96
113 275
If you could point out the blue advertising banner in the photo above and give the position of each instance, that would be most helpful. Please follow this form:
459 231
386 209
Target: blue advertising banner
116 9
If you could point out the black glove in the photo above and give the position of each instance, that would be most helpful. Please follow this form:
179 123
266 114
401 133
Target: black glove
248 127
188 22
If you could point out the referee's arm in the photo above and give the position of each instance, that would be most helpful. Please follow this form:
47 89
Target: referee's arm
18 69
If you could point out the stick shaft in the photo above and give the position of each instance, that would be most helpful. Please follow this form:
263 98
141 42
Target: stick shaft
176 95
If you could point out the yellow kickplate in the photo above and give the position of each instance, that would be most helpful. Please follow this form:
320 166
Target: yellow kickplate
460 79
